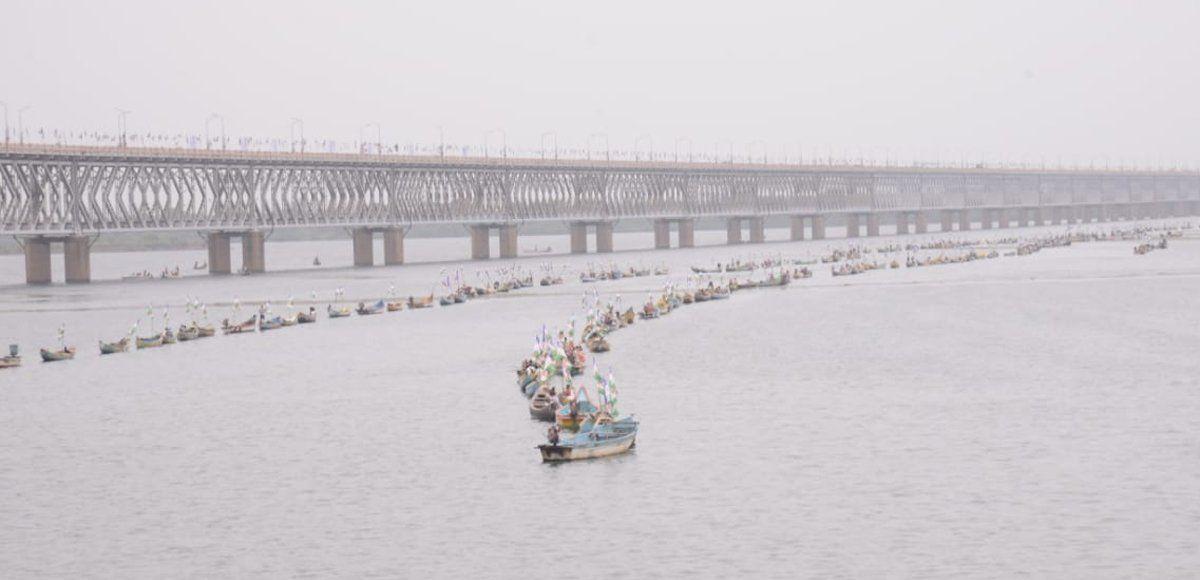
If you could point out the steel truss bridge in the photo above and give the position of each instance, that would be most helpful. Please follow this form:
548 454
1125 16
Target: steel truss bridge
58 193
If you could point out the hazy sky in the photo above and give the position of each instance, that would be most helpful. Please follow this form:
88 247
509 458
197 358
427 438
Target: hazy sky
1022 79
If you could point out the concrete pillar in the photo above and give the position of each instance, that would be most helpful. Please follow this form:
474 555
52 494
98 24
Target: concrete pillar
481 242
37 261
1003 214
986 219
687 233
873 224
758 230
852 226
947 220
364 247
218 254
254 252
922 222
1102 213
604 238
508 241
733 230
964 220
818 227
1194 207
797 227
902 223
393 247
579 235
77 255
662 234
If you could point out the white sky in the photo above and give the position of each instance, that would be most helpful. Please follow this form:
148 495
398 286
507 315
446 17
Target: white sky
1019 79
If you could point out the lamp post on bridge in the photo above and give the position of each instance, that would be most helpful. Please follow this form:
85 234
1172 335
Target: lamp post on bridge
207 139
122 126
292 135
378 138
503 141
21 124
637 152
607 150
689 144
553 135
441 143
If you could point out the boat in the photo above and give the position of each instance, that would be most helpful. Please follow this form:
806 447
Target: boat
199 266
292 320
204 330
395 306
340 312
316 261
66 353
597 343
248 326
13 359
149 341
114 347
604 439
365 310
187 332
459 297
571 416
307 317
543 405
168 337
423 302
527 382
271 323
446 301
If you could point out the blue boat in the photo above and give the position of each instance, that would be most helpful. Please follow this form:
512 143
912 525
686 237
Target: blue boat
376 308
600 440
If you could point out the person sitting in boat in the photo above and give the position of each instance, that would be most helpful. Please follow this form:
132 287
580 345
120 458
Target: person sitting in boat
552 434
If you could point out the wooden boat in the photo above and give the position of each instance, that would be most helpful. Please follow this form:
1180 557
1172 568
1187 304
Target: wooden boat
10 361
307 317
459 297
114 347
423 302
205 330
270 323
168 337
150 341
629 317
446 301
395 306
602 440
698 270
67 353
366 310
187 332
543 405
248 326
340 312
292 320
597 343
527 382
649 312
720 294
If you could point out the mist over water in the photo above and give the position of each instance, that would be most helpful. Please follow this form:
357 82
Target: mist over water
1020 416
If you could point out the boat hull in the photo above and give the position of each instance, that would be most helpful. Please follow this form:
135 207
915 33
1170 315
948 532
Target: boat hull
560 453
57 355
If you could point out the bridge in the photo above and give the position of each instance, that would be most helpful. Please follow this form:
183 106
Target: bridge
71 195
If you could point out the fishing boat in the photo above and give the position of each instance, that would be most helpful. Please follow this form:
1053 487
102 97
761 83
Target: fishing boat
459 297
271 323
292 320
168 336
307 317
366 310
150 341
597 343
187 332
13 359
66 353
422 302
248 326
699 270
446 301
395 306
543 405
602 440
721 293
339 312
648 312
114 347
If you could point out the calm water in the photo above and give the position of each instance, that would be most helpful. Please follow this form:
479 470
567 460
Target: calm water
1029 416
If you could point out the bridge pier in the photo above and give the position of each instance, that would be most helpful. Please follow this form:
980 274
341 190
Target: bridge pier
964 220
393 247
508 241
77 257
364 247
579 244
758 230
986 219
37 261
219 262
254 252
922 222
481 242
1003 215
733 230
579 237
818 227
687 233
901 223
604 237
947 220
852 225
873 225
662 234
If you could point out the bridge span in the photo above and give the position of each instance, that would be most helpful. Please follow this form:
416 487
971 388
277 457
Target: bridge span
71 195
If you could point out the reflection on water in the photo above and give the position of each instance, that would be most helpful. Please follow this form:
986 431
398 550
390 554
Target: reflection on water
1022 415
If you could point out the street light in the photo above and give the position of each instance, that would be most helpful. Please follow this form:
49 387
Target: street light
637 152
378 137
292 134
207 139
503 141
689 144
21 124
554 139
607 150
441 143
5 105
122 125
